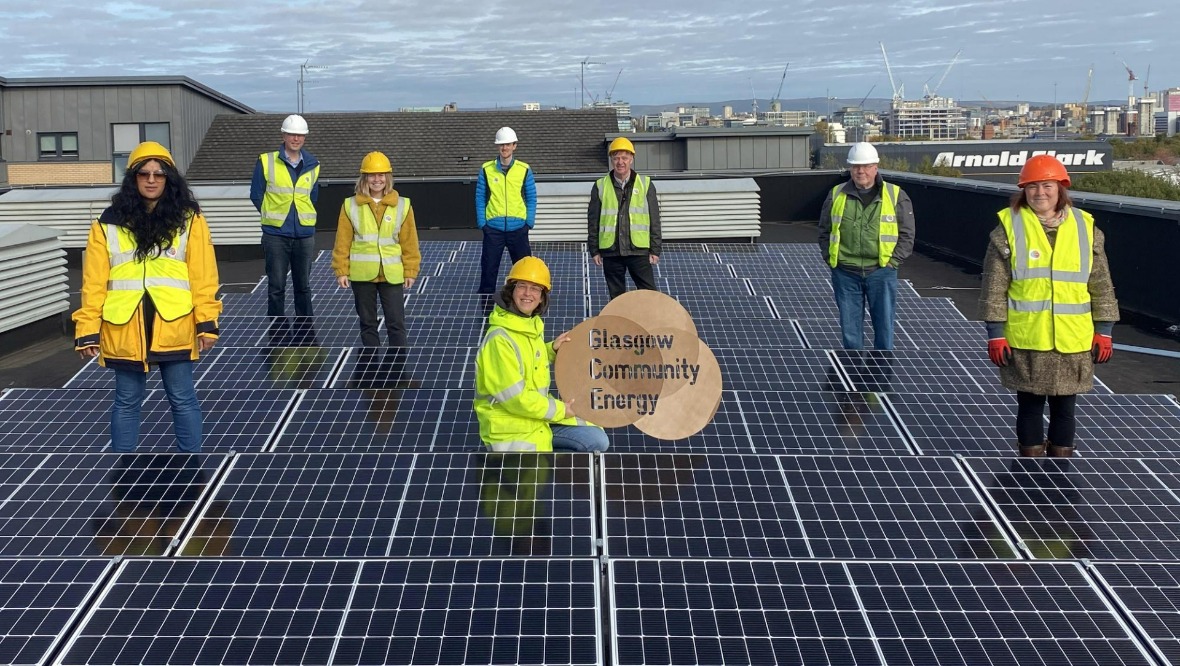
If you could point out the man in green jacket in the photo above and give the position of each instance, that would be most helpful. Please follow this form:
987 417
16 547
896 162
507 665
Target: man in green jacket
866 231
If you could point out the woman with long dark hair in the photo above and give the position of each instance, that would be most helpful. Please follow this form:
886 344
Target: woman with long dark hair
149 294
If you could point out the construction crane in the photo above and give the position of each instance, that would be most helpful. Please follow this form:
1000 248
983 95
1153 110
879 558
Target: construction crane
754 98
898 93
1145 78
777 101
582 78
612 86
862 99
1131 79
934 92
1086 98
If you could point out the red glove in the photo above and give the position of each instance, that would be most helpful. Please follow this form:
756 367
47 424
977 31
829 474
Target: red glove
999 351
1103 348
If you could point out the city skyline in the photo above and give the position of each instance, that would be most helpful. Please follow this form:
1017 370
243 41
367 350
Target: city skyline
362 57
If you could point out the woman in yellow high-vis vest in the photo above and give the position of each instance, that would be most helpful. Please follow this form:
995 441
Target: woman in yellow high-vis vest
376 251
1049 304
149 294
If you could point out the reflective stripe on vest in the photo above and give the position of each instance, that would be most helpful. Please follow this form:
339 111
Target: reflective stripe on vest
505 198
517 388
638 216
887 229
165 277
281 193
375 244
1048 297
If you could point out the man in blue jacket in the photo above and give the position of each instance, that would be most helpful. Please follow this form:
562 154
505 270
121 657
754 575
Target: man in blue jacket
284 189
505 208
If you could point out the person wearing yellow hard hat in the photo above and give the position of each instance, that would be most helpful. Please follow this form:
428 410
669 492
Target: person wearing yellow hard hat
149 294
505 208
376 251
1049 303
624 222
512 373
284 189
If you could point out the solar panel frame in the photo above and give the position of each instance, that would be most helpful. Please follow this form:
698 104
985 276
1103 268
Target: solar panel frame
901 371
945 424
42 598
269 367
1145 593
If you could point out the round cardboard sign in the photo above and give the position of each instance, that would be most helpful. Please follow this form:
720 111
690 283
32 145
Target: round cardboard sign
653 309
610 370
687 411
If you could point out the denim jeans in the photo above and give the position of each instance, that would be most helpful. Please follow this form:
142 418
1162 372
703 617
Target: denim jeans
853 291
130 388
494 242
283 253
579 438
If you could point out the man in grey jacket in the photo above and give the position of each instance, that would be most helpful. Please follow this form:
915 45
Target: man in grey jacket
866 231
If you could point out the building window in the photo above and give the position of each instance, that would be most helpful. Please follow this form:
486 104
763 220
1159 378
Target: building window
57 145
126 136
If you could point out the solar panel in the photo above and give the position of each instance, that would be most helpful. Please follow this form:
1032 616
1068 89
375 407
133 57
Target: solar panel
726 433
699 506
469 331
249 305
826 333
942 334
804 286
928 309
677 287
461 305
799 422
536 611
947 423
1084 507
268 367
1147 593
94 376
869 507
907 371
318 331
408 367
383 419
94 505
40 599
779 370
1128 425
42 420
711 306
748 333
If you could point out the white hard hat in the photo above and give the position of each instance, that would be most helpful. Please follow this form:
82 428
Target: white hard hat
294 124
505 135
863 153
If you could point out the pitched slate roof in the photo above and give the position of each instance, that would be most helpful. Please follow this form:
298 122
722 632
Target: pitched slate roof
418 143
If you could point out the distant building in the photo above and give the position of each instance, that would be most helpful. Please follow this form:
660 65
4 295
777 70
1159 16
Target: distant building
726 112
931 118
532 106
790 118
79 131
622 110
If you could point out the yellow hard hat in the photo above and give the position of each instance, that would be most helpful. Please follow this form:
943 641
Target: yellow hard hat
531 269
376 162
150 150
621 143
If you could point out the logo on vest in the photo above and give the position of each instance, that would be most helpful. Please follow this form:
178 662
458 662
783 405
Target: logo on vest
172 252
1034 254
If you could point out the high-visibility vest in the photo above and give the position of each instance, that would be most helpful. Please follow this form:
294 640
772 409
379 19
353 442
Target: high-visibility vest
281 192
638 216
887 225
164 277
1048 297
504 190
375 244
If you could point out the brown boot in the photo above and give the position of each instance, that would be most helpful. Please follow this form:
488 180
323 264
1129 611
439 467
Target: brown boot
1059 451
1034 451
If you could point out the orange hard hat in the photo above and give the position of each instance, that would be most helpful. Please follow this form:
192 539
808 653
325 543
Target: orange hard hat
1043 167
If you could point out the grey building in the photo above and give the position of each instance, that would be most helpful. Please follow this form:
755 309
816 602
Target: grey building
723 149
80 130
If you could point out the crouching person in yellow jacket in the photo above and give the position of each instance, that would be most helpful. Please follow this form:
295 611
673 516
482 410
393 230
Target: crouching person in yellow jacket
149 294
512 401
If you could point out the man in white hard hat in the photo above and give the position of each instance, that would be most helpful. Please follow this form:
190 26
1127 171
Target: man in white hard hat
285 189
866 230
505 208
623 222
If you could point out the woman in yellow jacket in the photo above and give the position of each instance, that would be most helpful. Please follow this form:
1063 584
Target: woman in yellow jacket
512 401
149 294
376 250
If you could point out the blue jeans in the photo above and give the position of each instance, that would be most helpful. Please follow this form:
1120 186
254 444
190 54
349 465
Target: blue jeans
494 242
579 438
283 253
130 388
853 291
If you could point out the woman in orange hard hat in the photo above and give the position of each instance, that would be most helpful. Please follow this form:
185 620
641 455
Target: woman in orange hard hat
512 401
1049 304
376 251
149 294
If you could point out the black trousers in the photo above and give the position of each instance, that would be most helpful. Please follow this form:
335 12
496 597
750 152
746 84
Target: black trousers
1030 419
615 270
392 304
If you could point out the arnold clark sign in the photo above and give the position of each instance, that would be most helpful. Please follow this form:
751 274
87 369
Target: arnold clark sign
990 160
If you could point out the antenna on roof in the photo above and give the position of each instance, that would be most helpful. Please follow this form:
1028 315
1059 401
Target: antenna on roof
303 70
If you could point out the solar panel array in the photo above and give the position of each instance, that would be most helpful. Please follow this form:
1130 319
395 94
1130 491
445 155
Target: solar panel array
843 507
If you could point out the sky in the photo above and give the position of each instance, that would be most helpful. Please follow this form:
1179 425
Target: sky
388 54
